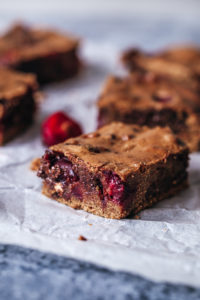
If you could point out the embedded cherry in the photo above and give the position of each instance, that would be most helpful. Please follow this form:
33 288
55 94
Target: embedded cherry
114 186
66 172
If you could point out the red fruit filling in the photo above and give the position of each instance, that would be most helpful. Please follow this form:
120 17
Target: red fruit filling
59 127
57 169
113 187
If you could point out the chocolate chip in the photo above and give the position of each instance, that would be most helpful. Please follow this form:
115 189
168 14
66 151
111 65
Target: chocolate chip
142 168
113 137
180 142
130 54
97 149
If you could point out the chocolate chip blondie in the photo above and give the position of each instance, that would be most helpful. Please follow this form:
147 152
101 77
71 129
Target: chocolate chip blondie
179 63
152 100
50 55
17 103
115 171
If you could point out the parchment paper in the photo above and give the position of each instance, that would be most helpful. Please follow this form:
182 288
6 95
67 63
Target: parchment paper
163 245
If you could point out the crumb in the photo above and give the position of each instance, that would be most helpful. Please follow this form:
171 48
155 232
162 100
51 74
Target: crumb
40 97
35 163
90 224
82 238
136 217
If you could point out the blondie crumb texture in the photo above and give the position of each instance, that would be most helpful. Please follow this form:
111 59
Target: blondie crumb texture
35 164
118 170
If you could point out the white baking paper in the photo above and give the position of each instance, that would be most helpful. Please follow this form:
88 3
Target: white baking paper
163 245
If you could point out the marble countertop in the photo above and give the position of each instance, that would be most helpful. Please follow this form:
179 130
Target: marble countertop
33 275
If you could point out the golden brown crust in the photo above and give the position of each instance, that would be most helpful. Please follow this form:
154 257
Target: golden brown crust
145 91
15 84
185 55
24 43
181 63
113 147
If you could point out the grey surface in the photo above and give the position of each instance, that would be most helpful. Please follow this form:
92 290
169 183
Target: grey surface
147 23
33 275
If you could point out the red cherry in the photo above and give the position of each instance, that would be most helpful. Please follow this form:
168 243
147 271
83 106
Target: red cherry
58 127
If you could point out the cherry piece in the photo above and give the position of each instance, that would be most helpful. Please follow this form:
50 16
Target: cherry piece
66 173
114 187
59 127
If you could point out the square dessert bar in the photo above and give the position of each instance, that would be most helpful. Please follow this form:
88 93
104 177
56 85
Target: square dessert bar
151 100
179 63
17 103
50 55
118 170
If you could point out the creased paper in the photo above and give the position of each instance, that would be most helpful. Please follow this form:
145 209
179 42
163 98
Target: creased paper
163 245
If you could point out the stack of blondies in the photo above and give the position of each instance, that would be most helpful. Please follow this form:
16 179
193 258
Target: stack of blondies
148 123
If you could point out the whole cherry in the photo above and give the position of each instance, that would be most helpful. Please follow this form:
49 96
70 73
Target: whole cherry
58 127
